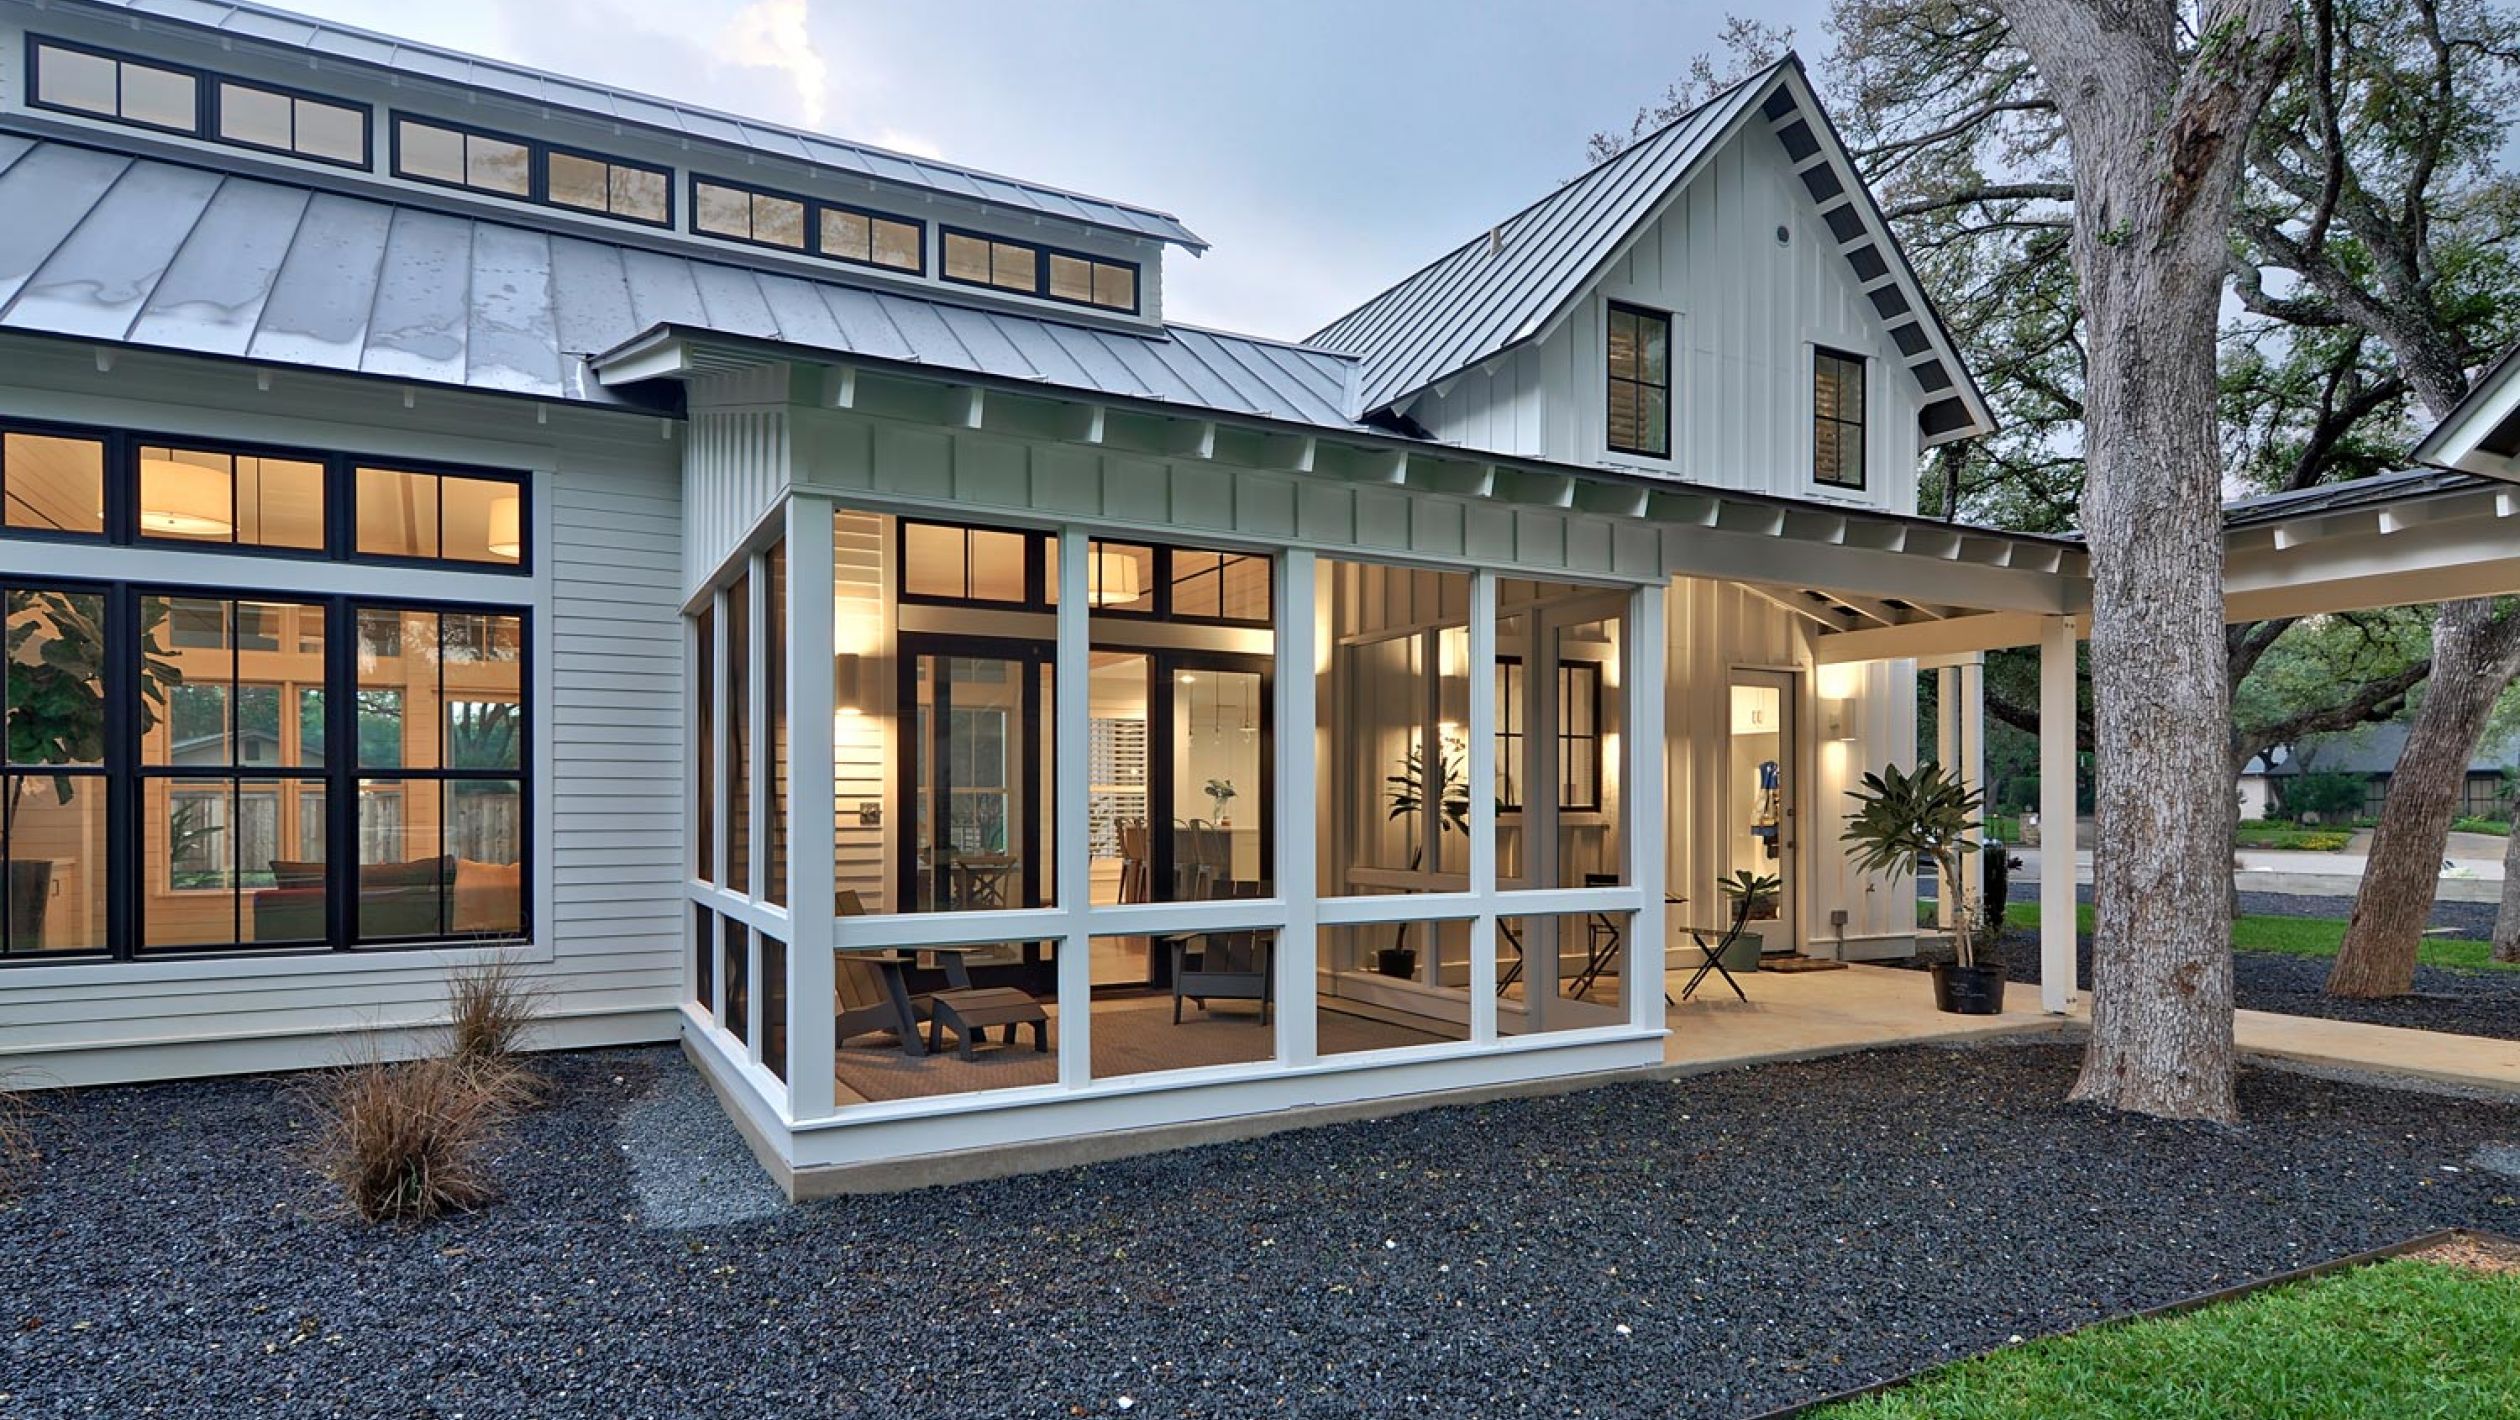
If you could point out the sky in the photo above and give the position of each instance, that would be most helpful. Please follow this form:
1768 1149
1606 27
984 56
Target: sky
1326 148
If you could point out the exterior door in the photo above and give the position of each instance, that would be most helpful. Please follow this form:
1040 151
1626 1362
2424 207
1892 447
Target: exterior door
972 790
1759 795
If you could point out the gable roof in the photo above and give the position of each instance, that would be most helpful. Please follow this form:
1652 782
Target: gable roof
286 30
158 254
1510 284
2482 435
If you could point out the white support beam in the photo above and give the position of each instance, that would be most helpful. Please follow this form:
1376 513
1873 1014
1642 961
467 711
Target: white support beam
1875 610
1989 631
839 387
1071 722
1546 490
1794 603
809 808
1947 753
1642 837
1082 423
1191 439
1297 959
2057 835
1482 772
965 406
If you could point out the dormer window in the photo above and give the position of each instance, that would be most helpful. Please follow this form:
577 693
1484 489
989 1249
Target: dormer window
778 219
429 151
1639 382
199 104
975 259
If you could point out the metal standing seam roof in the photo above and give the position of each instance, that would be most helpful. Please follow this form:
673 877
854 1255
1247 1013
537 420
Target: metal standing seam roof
300 32
110 247
1501 287
2405 485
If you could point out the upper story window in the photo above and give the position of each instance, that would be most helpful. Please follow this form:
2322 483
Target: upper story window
1640 382
790 223
197 103
953 565
138 490
1837 418
977 260
428 151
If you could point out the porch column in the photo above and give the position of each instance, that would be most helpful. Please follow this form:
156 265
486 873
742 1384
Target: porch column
1948 754
1482 772
1298 957
809 808
1071 721
1647 835
1972 765
2056 815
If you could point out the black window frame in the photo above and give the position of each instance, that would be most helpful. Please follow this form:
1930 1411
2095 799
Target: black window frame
814 208
341 543
1040 574
1511 731
1612 379
206 82
1859 424
1042 252
125 776
538 154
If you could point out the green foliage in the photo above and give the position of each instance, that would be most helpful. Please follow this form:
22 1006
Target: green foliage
2399 1338
2498 827
1448 776
2327 794
1904 817
55 695
1751 894
2297 936
2265 833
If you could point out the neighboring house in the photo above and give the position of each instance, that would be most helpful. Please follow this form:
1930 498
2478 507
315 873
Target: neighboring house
2371 754
755 579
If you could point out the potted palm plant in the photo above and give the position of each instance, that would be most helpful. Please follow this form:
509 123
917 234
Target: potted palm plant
1443 776
1753 897
1903 818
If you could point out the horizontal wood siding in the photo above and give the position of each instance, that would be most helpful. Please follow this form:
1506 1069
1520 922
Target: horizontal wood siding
607 808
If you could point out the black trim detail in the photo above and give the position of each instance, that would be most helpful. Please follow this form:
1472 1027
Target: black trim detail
1933 375
1866 260
1845 223
1778 105
1910 338
1822 182
1799 144
1889 300
1041 271
1943 416
1612 379
812 225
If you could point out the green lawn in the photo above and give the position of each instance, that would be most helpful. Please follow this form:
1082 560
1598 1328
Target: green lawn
2257 833
2397 1339
2298 936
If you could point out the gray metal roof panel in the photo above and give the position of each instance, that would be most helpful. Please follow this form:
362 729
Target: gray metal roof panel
158 253
1500 287
2399 486
282 27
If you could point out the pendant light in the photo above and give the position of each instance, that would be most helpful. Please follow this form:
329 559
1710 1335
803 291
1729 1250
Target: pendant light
180 499
1112 578
503 539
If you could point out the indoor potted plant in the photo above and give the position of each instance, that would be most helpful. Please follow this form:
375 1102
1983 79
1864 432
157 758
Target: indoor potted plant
55 714
1753 898
1447 779
1903 818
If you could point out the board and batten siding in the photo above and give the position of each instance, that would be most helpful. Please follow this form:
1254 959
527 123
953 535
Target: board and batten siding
606 691
1745 311
740 445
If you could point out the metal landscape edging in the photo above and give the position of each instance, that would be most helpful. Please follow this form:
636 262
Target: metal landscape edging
2196 1302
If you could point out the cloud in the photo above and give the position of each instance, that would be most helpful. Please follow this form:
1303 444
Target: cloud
771 34
909 143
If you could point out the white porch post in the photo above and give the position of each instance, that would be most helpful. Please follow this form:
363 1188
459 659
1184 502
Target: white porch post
1648 828
1482 771
811 785
2056 815
1972 767
1947 753
1298 837
1072 710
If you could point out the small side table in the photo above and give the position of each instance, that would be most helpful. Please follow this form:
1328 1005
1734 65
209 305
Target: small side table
969 1014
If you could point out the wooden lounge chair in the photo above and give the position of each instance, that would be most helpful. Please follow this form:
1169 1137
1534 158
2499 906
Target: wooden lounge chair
1227 966
865 999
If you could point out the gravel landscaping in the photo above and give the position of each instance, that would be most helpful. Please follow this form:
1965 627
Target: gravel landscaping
2480 1003
1714 1246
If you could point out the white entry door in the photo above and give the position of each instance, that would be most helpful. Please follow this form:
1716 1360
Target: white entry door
1759 795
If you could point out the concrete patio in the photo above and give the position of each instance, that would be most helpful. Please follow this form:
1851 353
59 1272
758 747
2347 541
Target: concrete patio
1803 1015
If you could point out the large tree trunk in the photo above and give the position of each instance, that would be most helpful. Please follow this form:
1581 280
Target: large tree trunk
2507 922
2475 654
2156 139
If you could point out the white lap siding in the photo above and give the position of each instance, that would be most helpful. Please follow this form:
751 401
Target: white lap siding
607 913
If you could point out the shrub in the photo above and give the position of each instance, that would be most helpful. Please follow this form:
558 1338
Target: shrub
489 1010
2498 827
2328 794
17 1140
406 1140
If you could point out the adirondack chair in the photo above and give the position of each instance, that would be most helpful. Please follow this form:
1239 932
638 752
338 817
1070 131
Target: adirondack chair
864 1000
1226 966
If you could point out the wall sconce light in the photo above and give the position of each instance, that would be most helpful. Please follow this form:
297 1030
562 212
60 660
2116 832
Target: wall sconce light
1837 719
847 677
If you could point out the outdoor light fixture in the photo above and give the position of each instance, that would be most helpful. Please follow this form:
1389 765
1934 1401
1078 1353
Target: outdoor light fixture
1112 578
184 499
845 696
504 541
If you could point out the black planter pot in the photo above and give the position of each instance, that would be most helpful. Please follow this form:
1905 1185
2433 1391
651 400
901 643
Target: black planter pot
1969 990
1396 961
30 894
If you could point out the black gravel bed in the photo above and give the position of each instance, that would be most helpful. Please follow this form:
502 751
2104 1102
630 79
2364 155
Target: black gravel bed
1714 1246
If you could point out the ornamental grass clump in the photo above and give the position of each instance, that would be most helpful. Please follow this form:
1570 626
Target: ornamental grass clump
408 1140
17 1140
490 1009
